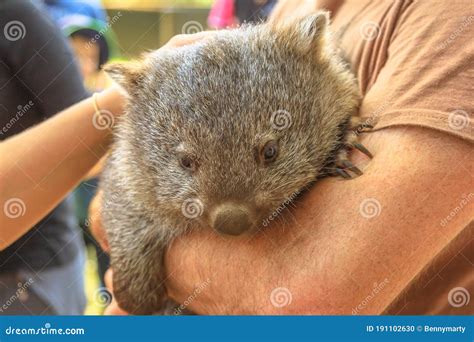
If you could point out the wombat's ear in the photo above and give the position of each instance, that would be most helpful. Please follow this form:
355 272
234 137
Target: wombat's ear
128 75
312 31
307 33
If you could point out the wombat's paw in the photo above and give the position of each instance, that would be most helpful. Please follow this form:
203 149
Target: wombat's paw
144 307
342 166
357 125
139 303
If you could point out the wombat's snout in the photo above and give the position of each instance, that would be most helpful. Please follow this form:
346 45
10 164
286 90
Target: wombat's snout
231 219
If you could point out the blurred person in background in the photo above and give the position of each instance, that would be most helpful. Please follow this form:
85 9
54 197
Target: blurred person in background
93 41
228 13
39 78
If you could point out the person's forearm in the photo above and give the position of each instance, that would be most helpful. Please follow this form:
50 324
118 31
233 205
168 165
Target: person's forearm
41 165
342 238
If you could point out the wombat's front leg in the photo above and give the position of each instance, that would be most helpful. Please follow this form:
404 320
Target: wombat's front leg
137 245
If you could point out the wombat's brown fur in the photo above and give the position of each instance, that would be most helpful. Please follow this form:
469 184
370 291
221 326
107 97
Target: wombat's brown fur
218 135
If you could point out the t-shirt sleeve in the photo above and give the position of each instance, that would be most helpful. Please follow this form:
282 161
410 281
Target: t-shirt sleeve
428 75
414 59
37 54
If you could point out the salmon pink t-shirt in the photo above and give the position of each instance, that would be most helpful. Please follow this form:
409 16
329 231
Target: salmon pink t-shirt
414 61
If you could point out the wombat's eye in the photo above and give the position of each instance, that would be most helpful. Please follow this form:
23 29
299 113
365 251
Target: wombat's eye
269 151
187 163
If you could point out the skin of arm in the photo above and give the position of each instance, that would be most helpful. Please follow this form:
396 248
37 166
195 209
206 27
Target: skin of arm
328 255
41 165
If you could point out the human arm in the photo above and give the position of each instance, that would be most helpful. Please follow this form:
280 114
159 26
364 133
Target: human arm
411 74
329 255
41 165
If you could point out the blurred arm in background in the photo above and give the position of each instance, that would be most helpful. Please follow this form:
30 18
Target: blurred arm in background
57 153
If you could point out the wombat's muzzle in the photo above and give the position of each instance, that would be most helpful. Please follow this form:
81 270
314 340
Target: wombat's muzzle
231 219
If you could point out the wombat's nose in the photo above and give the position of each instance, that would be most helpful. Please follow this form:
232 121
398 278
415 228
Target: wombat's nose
230 219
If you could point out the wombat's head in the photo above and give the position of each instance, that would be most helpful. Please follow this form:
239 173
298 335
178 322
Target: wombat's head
226 131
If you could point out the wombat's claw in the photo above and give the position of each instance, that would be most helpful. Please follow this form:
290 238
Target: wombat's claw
361 148
358 126
343 173
348 165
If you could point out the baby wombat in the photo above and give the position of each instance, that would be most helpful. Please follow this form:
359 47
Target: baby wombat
217 135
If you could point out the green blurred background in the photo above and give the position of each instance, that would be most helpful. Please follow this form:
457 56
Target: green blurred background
148 24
